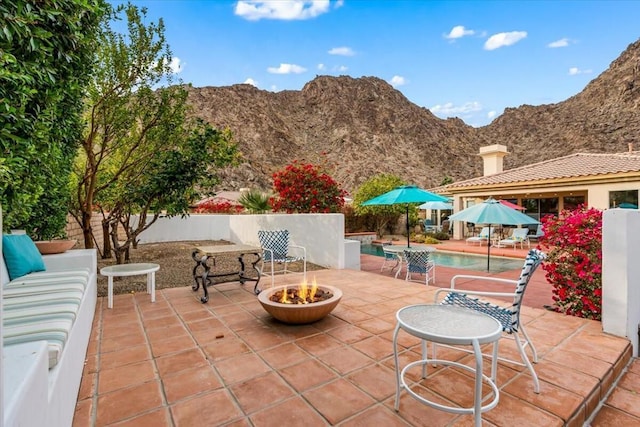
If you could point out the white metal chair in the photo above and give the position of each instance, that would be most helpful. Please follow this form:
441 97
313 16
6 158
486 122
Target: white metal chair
277 250
508 315
483 236
390 261
420 262
518 236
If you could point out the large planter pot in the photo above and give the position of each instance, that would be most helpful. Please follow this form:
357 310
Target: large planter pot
47 247
299 313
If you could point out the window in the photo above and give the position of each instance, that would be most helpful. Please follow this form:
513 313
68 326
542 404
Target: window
627 199
572 202
539 208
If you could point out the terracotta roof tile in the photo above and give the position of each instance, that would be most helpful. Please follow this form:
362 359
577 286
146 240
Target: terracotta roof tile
571 166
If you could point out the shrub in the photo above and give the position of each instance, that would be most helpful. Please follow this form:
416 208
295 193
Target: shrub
306 188
255 202
574 261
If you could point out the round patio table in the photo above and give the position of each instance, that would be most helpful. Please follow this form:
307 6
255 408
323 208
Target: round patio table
445 324
134 269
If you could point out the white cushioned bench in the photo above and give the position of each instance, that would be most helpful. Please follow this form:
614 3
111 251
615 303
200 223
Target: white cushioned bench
55 308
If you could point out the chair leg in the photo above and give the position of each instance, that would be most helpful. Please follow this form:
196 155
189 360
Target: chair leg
527 362
528 342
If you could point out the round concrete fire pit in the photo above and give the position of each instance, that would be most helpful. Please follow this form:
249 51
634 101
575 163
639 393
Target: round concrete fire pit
299 313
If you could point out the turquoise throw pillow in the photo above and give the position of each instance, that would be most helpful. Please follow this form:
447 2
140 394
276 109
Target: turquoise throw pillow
21 255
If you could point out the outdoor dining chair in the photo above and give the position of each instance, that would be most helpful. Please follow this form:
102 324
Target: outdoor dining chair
508 314
420 262
390 261
276 249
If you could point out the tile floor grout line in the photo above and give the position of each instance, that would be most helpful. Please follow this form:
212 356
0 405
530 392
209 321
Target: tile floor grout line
165 401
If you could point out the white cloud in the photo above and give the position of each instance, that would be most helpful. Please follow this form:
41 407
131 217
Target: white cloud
341 68
574 71
504 39
397 81
457 32
287 69
176 65
321 67
559 43
274 88
342 51
251 82
286 10
491 114
449 109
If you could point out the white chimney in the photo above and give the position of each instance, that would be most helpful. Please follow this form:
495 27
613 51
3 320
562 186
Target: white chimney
492 156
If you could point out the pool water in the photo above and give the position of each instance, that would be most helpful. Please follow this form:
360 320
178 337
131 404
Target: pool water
457 260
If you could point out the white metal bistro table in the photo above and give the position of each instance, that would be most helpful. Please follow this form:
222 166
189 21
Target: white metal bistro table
444 324
134 269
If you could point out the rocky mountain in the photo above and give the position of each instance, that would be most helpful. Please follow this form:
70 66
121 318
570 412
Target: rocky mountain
359 127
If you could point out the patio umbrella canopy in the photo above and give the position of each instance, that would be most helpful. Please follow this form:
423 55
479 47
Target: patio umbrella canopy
440 206
492 212
404 195
511 205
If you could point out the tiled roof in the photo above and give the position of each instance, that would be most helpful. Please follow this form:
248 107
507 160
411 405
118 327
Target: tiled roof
567 167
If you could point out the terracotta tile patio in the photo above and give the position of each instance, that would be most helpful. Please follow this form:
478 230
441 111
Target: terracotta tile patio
178 362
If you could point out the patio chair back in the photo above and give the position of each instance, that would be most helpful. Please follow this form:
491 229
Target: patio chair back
420 262
277 243
508 317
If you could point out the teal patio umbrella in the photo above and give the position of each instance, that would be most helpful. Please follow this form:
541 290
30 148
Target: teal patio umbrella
405 194
492 212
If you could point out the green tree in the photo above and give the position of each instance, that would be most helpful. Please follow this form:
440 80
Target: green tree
140 150
373 187
46 58
304 187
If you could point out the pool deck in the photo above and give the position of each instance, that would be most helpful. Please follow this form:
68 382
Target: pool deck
178 362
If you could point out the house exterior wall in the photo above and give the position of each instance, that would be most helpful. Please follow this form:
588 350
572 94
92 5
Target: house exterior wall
596 195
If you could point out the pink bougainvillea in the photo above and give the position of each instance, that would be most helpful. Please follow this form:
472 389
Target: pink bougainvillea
573 240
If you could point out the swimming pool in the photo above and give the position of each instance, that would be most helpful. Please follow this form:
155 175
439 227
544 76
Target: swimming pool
458 260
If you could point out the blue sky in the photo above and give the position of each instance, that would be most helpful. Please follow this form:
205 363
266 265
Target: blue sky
467 59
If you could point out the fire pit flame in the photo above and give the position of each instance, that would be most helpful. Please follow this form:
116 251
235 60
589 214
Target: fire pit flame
304 294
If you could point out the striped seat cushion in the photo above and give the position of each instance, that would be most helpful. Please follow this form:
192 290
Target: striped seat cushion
43 307
42 289
38 300
55 332
18 315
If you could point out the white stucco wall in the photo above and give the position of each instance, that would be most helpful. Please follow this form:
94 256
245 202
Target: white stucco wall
193 227
321 234
621 274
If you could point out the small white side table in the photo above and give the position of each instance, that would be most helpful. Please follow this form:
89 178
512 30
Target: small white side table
132 270
444 324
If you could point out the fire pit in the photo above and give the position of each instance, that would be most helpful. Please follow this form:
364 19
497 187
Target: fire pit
301 304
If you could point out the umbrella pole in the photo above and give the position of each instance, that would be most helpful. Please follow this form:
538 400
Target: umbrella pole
408 245
489 249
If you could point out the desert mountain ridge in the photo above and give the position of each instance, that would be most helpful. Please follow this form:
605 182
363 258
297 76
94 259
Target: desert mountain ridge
359 127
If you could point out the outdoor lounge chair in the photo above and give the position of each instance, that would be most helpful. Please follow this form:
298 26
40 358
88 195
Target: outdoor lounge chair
518 236
483 236
277 250
538 234
420 262
508 313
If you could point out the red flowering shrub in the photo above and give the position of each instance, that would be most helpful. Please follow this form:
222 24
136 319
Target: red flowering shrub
305 188
218 206
574 261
